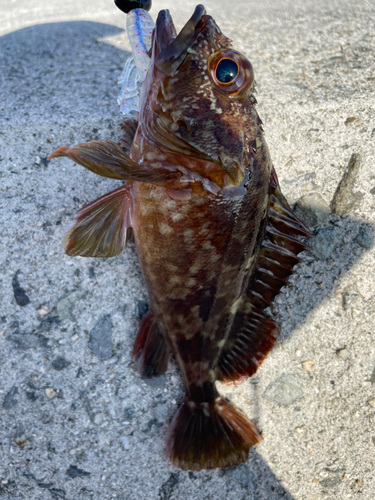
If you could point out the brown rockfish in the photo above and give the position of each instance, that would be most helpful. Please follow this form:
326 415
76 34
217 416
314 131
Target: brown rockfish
216 239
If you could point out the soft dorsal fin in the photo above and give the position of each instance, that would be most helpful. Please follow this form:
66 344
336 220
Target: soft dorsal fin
100 228
253 333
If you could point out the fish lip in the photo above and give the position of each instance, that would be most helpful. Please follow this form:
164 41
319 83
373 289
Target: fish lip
172 48
165 31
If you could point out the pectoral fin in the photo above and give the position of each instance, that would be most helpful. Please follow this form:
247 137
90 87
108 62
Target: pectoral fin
107 159
100 228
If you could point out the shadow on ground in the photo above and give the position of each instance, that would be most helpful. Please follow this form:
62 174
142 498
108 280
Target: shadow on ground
58 70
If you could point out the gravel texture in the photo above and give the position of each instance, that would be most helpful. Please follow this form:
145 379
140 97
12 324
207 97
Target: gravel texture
76 420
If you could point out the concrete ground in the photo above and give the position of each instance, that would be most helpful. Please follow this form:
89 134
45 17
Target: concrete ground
76 420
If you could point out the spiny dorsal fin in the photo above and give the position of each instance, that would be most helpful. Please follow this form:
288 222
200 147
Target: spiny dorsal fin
253 333
129 127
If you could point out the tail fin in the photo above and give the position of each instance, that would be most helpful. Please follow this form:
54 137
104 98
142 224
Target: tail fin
210 435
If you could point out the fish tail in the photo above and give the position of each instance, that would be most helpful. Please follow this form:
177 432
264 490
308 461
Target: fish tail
210 435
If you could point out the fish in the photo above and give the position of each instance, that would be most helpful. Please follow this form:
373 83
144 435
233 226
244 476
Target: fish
215 237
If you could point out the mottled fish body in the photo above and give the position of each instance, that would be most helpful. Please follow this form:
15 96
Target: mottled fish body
215 237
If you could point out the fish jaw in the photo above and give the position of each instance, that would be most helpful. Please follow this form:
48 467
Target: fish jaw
171 49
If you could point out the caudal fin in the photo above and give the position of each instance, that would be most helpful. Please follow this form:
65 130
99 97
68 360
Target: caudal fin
210 435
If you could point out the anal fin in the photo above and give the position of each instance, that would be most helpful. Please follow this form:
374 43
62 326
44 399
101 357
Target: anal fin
155 349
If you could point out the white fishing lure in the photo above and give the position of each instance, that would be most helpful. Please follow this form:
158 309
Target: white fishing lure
139 26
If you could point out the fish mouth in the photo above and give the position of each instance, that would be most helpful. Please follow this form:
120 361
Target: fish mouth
170 48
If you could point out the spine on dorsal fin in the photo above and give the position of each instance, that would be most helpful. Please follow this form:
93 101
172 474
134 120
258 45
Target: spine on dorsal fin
129 128
253 334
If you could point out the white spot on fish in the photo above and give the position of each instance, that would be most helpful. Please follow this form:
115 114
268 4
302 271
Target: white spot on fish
174 280
177 216
165 229
194 269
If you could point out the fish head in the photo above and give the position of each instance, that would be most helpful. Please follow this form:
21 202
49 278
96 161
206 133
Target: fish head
200 94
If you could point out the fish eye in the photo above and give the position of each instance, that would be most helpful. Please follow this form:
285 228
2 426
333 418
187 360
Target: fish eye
230 71
226 71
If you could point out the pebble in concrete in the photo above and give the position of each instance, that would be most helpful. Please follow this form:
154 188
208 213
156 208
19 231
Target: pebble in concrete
125 443
348 298
141 308
155 382
365 237
161 412
48 323
312 209
19 293
65 305
343 353
57 492
330 482
284 390
308 365
10 401
50 392
100 341
325 241
27 340
74 471
60 363
345 199
166 489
